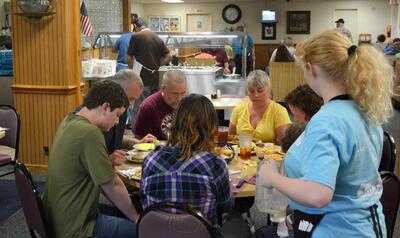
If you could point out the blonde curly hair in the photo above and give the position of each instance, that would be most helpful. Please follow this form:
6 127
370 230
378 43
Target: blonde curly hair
366 73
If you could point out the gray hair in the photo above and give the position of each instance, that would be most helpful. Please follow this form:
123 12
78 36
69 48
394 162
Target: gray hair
288 41
175 76
258 79
126 77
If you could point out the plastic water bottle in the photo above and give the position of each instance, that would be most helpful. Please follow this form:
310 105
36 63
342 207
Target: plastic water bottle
271 201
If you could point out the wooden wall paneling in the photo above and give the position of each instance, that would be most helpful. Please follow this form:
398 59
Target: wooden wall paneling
47 82
284 78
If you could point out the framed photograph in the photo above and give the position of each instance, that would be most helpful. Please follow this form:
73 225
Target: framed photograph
174 24
298 22
268 31
154 23
198 22
164 23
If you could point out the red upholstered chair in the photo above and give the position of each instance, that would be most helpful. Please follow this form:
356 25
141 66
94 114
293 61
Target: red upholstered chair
31 202
388 158
390 199
158 221
9 119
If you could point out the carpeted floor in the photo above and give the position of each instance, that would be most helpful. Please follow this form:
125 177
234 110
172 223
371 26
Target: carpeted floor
9 198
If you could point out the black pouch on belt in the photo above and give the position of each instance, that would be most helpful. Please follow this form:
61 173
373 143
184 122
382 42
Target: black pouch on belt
304 224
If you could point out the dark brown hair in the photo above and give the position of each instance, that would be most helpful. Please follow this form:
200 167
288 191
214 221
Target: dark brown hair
194 126
106 91
283 54
292 133
304 98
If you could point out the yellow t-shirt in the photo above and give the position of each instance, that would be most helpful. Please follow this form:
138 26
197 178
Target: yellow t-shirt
274 117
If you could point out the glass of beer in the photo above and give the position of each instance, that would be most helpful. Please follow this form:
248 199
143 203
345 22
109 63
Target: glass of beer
222 135
245 145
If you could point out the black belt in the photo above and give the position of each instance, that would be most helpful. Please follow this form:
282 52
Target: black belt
304 224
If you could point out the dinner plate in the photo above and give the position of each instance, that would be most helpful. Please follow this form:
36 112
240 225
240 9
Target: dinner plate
133 173
144 146
136 156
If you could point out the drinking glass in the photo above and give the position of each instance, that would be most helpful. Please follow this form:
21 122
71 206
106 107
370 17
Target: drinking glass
245 145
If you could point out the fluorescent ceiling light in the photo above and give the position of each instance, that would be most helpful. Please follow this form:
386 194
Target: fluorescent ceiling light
172 1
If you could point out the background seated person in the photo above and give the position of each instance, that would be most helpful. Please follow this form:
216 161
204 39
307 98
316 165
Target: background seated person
283 54
289 44
115 139
79 168
258 115
186 171
303 103
380 42
156 112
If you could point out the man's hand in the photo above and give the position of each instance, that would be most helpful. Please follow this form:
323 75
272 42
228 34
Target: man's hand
117 157
149 138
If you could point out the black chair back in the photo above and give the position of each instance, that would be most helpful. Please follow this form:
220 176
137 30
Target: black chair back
174 221
30 201
390 199
9 118
388 158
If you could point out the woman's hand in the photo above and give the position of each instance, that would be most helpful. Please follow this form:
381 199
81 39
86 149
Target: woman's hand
268 172
149 138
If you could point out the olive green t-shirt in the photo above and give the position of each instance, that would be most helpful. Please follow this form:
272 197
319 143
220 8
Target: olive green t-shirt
78 165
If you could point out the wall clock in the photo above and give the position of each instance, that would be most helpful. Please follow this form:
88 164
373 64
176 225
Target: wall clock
231 13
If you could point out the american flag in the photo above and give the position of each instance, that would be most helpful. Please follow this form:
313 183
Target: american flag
86 25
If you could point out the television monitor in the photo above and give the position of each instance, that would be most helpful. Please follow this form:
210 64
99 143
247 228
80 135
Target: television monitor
268 16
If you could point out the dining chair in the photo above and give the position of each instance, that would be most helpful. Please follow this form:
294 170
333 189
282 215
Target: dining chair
390 199
31 202
9 119
388 158
174 221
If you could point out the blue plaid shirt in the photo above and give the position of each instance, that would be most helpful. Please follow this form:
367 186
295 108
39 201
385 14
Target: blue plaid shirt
201 181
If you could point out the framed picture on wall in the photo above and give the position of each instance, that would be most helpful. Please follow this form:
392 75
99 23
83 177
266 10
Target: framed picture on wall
154 23
268 31
298 22
198 22
165 23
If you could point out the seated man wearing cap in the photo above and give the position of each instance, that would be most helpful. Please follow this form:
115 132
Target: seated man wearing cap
340 27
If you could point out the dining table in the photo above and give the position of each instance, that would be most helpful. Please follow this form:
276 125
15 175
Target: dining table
242 174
